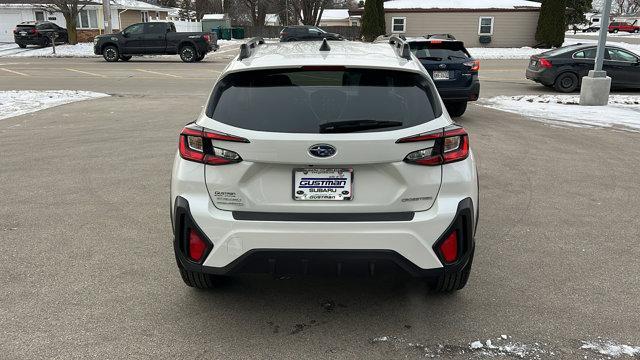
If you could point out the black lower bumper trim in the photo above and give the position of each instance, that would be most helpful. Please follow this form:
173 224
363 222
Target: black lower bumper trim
322 217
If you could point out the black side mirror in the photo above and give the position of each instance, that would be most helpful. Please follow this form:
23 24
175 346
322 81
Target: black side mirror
124 33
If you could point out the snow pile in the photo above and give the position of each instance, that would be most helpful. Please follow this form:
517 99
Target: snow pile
507 348
623 111
460 4
504 53
609 348
20 102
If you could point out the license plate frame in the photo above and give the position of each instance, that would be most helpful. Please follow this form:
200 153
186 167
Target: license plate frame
441 75
325 181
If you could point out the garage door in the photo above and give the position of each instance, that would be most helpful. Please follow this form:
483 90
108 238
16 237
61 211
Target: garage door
8 22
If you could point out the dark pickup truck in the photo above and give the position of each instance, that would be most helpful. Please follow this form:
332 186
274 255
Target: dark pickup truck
154 38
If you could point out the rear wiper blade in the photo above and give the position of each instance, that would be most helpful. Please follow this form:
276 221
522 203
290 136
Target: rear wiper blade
348 126
456 56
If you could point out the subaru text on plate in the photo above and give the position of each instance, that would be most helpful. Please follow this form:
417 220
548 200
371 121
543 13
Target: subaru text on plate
324 158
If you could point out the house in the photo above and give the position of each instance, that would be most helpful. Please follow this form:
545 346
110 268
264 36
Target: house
272 20
214 21
90 20
338 17
493 23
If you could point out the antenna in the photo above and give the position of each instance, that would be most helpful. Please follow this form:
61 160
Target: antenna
325 45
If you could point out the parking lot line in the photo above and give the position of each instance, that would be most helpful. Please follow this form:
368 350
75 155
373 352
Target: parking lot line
15 72
158 73
86 72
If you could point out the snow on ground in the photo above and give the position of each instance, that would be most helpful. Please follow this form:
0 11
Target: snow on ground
81 50
20 102
623 111
611 349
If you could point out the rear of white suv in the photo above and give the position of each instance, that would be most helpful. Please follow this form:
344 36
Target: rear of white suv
336 160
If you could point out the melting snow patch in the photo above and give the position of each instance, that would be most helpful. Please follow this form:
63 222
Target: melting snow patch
513 349
609 348
623 111
20 102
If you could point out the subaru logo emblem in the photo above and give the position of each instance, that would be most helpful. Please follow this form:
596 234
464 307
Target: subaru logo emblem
442 66
322 150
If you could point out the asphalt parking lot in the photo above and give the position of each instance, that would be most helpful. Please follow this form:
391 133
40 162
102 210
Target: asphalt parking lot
87 266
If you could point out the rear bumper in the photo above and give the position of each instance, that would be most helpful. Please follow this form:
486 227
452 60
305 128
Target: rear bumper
544 76
28 40
241 245
470 93
334 261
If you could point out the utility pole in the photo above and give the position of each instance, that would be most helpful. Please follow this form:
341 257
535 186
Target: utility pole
597 85
286 12
106 12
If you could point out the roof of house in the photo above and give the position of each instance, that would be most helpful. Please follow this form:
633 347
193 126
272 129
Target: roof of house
461 4
118 4
214 16
335 14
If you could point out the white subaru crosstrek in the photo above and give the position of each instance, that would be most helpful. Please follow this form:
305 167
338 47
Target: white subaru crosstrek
324 157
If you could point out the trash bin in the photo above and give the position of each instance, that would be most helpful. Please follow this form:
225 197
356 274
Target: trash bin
225 34
218 32
237 33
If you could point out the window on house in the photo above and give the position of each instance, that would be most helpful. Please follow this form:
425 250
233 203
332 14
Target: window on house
354 23
39 15
144 16
398 24
88 19
485 26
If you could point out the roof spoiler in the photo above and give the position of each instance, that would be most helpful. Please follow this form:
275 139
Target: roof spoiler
248 47
401 47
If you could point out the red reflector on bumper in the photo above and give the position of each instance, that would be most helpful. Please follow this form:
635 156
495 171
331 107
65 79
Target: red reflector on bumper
449 247
197 246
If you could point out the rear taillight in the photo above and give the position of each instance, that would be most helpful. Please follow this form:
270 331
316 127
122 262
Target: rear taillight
15 31
206 37
474 65
198 144
451 144
544 63
33 31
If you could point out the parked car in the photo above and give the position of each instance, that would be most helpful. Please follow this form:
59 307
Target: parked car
617 26
38 33
592 28
154 38
306 33
564 68
335 158
453 69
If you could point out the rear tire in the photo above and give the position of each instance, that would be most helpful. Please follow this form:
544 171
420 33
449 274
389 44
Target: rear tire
454 281
188 53
566 82
125 57
456 109
111 53
200 280
615 31
200 57
22 46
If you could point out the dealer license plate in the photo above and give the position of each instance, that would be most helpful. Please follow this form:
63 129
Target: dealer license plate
322 184
440 75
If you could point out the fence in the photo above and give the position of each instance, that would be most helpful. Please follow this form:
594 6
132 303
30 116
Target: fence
348 32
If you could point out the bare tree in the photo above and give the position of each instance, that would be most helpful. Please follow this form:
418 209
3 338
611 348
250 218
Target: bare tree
310 11
626 6
258 10
70 10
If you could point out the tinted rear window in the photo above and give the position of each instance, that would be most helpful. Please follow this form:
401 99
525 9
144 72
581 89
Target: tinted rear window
446 50
25 27
301 100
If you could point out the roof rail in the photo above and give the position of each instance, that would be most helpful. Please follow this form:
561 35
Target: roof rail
247 48
401 47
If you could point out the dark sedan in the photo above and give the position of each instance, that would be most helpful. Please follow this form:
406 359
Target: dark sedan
38 33
564 68
306 33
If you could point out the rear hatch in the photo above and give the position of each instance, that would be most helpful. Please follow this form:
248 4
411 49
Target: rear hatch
25 31
323 140
448 62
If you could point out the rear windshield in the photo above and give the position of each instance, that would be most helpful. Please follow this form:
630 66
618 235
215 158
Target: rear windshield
26 27
438 51
321 100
